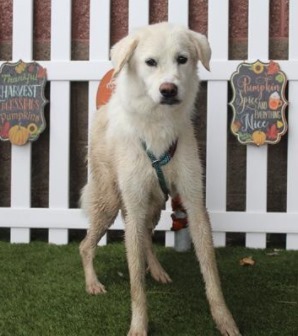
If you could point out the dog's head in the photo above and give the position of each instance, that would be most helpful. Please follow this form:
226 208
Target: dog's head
163 59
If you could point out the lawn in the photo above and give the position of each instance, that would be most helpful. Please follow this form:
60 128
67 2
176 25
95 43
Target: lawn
42 293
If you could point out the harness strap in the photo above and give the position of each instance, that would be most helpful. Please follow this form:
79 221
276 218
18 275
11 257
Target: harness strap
157 163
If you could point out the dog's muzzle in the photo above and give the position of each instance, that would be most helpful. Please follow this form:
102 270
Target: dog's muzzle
169 93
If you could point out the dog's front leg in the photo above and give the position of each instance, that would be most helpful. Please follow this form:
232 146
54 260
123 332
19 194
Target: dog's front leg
135 231
189 185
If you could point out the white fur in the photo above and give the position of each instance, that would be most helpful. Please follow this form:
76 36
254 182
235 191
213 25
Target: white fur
122 176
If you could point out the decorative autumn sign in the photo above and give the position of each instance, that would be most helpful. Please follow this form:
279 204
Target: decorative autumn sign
259 103
22 101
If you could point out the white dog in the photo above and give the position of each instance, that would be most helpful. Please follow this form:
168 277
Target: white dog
142 147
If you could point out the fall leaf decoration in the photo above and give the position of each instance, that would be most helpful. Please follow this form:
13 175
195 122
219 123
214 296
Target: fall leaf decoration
247 261
20 67
273 68
4 130
41 72
272 132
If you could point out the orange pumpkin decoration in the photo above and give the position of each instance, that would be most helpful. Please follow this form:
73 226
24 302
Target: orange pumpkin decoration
258 137
18 135
235 126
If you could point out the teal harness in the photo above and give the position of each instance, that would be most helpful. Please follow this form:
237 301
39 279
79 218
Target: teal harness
157 163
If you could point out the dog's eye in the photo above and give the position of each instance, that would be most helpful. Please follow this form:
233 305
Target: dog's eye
151 62
181 59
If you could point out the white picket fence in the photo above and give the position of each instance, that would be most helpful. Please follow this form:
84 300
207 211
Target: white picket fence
255 222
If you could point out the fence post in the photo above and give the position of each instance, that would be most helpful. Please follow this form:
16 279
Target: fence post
256 174
21 155
99 48
292 176
217 108
60 117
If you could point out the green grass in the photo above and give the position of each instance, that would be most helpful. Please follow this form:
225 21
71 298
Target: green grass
42 293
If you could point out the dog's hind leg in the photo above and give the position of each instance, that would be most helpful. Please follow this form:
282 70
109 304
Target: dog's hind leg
102 210
156 270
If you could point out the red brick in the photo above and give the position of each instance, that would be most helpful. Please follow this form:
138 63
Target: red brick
80 19
238 21
119 17
198 15
158 11
5 20
42 20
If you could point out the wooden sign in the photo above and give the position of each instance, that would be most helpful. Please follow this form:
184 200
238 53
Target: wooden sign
259 103
22 101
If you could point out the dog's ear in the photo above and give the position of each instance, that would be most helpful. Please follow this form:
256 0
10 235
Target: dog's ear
122 52
202 47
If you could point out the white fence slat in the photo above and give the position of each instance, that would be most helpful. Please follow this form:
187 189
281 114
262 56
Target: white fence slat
59 145
216 146
60 117
218 30
217 108
59 151
292 179
22 30
99 49
60 30
219 239
256 175
255 240
92 91
58 236
21 156
258 29
292 241
222 221
221 70
178 11
293 30
100 13
170 239
138 14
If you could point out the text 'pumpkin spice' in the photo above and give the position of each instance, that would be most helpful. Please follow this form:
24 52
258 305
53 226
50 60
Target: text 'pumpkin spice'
258 103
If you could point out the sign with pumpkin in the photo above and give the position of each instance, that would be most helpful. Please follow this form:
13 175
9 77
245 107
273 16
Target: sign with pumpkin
22 101
258 103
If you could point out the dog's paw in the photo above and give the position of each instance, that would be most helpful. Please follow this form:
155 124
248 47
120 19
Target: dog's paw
161 277
95 288
134 332
230 330
225 322
159 274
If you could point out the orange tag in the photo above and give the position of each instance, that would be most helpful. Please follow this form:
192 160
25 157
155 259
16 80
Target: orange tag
105 89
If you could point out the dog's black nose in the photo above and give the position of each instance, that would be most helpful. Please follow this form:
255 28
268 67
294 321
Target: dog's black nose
168 90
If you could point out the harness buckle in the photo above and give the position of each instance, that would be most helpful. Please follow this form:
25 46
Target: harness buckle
155 162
